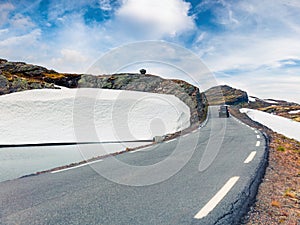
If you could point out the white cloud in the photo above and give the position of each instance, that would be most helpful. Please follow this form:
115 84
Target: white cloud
27 40
72 55
265 35
254 52
235 51
22 47
159 58
76 44
4 31
105 5
267 84
93 40
161 17
20 21
5 9
58 8
70 60
258 39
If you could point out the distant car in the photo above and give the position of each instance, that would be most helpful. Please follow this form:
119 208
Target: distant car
223 111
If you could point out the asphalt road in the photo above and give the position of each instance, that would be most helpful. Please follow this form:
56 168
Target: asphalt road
212 169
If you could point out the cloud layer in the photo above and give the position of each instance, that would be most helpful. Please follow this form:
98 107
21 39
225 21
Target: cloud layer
245 43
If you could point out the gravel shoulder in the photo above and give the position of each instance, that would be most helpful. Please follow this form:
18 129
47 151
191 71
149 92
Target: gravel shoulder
278 198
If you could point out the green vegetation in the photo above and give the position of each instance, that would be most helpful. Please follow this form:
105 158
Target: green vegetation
280 148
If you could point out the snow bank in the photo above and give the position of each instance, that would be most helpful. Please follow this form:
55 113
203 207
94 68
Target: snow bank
43 116
294 112
279 124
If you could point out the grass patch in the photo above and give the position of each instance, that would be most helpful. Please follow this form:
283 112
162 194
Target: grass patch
280 148
54 75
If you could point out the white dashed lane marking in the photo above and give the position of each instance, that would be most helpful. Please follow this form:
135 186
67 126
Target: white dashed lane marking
250 157
258 137
257 143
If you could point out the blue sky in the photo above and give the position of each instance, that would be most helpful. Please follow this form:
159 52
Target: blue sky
250 44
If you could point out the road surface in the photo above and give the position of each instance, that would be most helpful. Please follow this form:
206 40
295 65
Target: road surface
226 156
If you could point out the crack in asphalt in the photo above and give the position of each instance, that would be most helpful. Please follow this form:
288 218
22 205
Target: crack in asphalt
241 206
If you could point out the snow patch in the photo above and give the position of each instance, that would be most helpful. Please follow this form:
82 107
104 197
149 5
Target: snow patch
251 99
43 116
294 112
269 101
287 127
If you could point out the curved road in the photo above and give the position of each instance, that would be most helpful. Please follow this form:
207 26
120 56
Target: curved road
199 193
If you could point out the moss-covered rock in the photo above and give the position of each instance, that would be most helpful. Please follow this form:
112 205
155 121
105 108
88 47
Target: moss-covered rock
35 85
3 82
19 84
4 85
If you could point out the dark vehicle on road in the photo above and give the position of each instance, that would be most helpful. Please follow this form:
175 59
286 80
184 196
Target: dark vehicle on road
223 111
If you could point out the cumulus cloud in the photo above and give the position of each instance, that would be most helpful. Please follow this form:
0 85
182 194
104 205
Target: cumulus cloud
66 36
244 42
167 17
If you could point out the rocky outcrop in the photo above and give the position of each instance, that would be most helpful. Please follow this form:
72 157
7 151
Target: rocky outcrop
15 84
19 76
224 94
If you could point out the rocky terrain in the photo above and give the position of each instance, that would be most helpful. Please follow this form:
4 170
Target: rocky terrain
278 198
226 95
281 108
19 76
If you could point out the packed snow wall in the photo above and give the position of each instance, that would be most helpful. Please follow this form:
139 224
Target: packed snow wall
50 115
